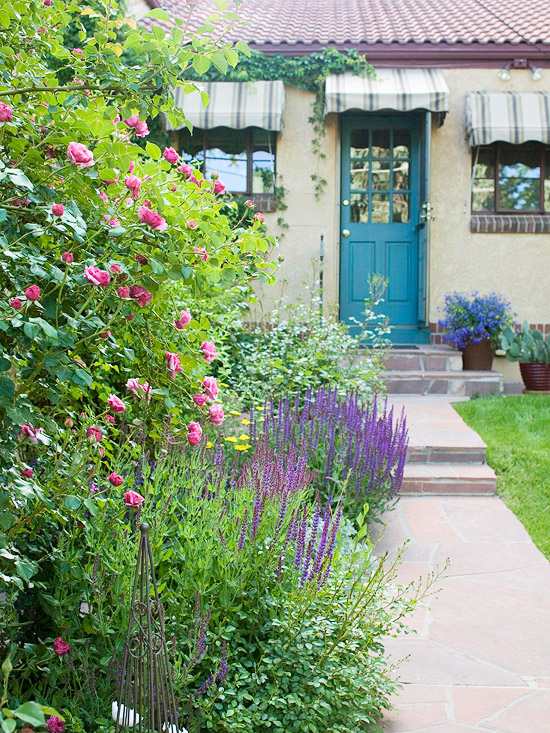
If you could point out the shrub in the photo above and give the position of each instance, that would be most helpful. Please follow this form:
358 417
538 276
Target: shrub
473 318
300 348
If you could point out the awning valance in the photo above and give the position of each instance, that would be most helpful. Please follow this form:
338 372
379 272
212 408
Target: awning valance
397 89
235 104
512 117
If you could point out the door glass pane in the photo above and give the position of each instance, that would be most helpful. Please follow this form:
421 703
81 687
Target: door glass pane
381 177
381 144
360 178
401 143
359 143
519 177
400 174
359 208
380 208
400 208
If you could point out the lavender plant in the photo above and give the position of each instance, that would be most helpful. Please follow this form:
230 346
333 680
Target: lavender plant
351 448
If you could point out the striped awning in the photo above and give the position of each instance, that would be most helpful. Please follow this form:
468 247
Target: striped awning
512 117
398 89
237 105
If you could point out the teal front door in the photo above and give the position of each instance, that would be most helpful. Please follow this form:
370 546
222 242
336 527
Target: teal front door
381 219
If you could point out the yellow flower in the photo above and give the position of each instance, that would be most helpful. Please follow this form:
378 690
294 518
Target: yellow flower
259 407
231 439
234 412
245 421
242 447
244 436
209 444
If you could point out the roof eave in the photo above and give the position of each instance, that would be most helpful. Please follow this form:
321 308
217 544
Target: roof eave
421 54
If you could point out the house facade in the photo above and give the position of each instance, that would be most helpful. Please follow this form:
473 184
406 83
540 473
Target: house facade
437 169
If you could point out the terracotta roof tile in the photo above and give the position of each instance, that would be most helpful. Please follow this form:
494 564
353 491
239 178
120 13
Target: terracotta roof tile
310 22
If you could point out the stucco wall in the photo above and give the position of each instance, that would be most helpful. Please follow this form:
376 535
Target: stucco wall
517 265
137 8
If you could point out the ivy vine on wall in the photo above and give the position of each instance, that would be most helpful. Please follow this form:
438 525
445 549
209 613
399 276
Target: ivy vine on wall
308 72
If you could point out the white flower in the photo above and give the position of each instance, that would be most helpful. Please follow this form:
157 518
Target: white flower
123 715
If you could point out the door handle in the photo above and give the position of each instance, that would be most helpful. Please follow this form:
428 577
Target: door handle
346 233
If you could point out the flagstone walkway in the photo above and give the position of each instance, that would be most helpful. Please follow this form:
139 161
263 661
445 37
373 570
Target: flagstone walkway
480 657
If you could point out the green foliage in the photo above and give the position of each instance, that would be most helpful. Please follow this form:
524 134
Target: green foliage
299 347
527 346
303 657
517 433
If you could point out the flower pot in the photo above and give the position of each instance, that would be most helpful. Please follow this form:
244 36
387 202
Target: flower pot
478 357
536 377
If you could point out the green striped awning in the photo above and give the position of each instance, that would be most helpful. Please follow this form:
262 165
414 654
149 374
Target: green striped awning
512 117
396 89
235 104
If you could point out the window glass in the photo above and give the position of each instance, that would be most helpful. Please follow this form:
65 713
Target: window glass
243 159
547 181
359 208
519 177
483 193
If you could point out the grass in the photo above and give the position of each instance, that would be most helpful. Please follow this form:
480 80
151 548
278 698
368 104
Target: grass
517 433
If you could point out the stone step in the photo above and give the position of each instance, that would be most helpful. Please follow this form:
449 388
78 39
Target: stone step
435 359
448 382
446 454
448 479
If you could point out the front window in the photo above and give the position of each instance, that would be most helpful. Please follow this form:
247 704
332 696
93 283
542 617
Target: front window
243 159
511 179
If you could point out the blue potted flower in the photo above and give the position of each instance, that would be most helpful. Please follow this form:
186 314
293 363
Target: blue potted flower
474 324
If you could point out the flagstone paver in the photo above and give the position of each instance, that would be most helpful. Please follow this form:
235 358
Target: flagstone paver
479 657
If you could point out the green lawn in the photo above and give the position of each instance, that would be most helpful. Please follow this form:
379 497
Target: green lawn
517 433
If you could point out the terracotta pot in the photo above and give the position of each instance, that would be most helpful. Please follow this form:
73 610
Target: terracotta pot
478 357
536 377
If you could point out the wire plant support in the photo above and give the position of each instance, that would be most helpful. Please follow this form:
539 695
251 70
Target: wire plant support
145 699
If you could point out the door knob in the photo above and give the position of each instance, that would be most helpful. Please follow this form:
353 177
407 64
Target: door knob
345 202
346 233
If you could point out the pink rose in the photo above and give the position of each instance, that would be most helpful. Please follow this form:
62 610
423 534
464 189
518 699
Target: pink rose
123 291
201 252
80 155
115 268
97 276
210 387
47 3
249 204
219 187
77 51
33 292
141 259
16 303
194 433
183 320
191 224
54 724
133 183
6 112
173 363
200 399
112 222
216 414
259 216
61 647
115 478
152 219
171 155
27 472
132 385
208 351
193 179
139 126
94 432
186 170
133 499
110 419
116 404
103 196
69 422
58 209
141 295
67 257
